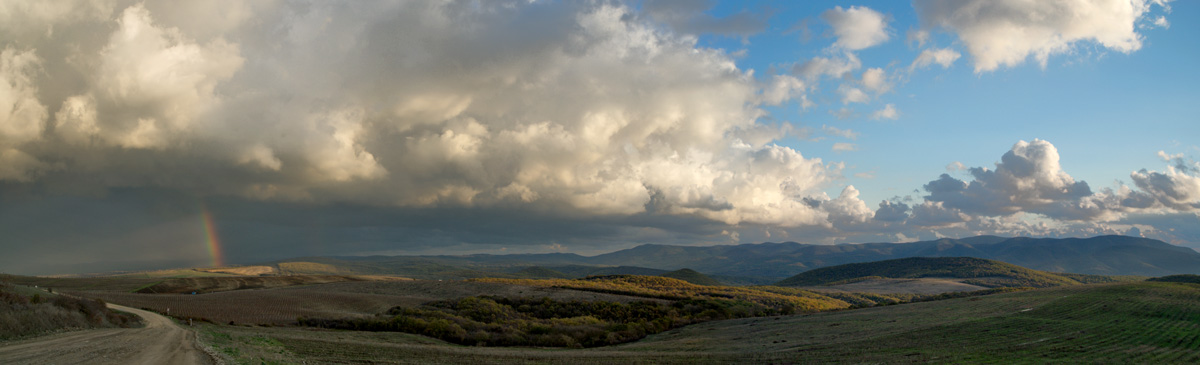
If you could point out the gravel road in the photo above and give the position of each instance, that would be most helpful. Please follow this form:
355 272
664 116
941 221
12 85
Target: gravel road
160 342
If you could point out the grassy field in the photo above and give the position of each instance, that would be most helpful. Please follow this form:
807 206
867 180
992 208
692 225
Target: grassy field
1143 322
282 306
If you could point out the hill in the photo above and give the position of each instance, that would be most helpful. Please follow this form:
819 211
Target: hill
28 312
982 272
538 272
1102 255
691 276
1194 279
764 263
1134 322
201 285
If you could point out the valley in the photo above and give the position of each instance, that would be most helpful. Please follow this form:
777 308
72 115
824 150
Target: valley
915 309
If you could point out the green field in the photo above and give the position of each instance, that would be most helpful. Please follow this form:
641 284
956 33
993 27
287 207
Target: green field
1142 322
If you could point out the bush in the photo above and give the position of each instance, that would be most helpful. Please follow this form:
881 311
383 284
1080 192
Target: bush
22 316
496 321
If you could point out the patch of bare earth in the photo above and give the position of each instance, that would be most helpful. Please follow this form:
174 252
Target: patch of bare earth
283 305
161 341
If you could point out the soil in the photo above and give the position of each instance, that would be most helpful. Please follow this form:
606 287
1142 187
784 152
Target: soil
161 341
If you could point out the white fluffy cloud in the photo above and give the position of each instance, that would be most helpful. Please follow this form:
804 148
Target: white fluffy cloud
857 27
1177 188
888 112
851 94
152 83
1028 178
22 115
597 112
783 88
876 80
941 56
1006 33
827 66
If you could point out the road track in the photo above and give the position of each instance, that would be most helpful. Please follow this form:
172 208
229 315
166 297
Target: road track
161 341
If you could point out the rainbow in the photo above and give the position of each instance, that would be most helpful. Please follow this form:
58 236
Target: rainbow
211 239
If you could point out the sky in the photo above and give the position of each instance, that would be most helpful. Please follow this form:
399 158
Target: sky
154 134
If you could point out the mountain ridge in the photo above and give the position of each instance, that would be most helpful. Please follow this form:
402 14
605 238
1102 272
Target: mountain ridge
768 262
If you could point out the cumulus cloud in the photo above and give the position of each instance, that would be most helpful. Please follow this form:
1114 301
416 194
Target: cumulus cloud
783 88
1006 33
936 214
875 80
835 66
851 94
857 27
1028 178
22 115
598 112
888 112
1174 188
941 56
690 17
1162 22
891 211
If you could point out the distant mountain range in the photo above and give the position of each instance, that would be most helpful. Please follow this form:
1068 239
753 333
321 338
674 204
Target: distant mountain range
768 262
1103 255
975 271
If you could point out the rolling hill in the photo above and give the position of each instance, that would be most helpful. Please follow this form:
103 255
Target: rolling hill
1103 255
981 272
691 276
767 263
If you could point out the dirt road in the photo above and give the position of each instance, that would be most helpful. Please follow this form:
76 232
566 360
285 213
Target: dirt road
160 342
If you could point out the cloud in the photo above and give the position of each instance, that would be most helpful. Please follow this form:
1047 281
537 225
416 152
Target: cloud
941 56
1162 22
827 66
852 94
1006 33
783 88
857 27
844 133
152 83
689 17
1174 188
22 115
936 214
844 147
875 80
576 108
1028 178
888 112
891 211
843 113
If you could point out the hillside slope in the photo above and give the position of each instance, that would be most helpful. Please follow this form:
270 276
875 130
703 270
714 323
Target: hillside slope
691 276
982 272
1103 255
770 262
